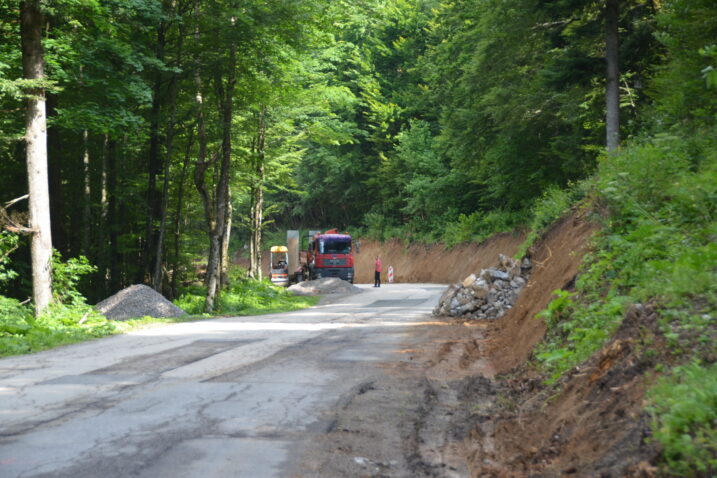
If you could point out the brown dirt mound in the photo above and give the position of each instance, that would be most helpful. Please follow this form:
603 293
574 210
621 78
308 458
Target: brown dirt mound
556 259
594 425
432 264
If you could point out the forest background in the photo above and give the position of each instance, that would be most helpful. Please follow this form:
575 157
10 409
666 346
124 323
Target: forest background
180 131
437 121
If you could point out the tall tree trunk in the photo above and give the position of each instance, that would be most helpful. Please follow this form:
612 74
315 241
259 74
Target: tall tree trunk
157 276
226 95
100 246
178 217
202 163
257 192
113 217
612 92
154 164
86 196
225 242
36 153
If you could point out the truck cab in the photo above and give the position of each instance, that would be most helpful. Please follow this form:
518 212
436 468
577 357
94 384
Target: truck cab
330 254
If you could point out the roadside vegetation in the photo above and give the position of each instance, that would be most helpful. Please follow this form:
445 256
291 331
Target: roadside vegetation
70 319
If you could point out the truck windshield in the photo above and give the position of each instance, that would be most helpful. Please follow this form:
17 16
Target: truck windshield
335 246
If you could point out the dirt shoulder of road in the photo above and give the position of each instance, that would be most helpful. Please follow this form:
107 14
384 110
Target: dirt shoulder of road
468 402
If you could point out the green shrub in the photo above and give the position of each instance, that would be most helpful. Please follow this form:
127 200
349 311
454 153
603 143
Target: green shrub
8 243
15 319
658 244
683 406
66 276
479 226
551 206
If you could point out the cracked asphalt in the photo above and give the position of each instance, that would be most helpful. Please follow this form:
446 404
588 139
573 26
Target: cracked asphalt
230 397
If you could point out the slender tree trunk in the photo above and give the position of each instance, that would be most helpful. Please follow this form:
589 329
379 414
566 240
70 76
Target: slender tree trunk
36 152
612 93
202 163
257 220
87 196
225 242
178 217
257 191
157 276
154 164
113 217
222 195
102 255
252 273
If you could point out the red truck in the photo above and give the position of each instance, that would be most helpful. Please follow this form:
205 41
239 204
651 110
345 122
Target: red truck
330 254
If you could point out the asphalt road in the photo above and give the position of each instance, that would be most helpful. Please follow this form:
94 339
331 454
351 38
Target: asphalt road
231 397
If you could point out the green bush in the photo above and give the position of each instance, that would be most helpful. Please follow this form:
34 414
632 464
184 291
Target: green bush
8 243
683 406
66 276
479 226
554 203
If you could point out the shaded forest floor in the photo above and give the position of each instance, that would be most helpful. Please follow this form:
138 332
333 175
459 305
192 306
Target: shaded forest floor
469 402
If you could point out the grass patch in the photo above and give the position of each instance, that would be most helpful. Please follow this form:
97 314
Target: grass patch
245 297
22 333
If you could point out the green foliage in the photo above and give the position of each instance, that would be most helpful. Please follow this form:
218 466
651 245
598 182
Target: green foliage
552 205
245 297
683 406
8 243
657 244
21 333
558 309
479 226
66 277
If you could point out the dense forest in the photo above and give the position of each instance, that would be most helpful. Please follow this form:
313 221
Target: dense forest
179 132
177 129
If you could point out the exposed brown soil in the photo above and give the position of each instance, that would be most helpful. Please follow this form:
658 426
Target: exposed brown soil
556 259
468 403
432 264
420 263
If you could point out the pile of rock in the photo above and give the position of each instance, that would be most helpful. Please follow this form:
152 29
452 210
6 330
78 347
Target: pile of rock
486 296
137 301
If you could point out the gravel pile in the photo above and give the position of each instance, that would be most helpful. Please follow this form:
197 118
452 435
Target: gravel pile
327 285
137 301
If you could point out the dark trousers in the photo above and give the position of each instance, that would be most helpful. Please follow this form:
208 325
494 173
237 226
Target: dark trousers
377 279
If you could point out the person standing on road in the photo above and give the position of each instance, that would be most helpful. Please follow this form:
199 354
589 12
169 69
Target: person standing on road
377 275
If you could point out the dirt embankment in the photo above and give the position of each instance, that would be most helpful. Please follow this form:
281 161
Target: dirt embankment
421 263
432 264
511 424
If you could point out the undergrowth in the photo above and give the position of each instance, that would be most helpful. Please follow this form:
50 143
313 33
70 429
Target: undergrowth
70 320
245 297
684 419
659 244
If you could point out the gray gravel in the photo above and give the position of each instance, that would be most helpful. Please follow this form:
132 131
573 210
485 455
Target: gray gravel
328 285
137 301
